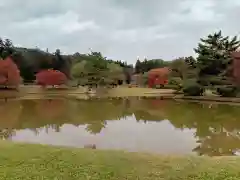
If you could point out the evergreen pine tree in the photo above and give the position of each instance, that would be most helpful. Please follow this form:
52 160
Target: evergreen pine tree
214 54
138 68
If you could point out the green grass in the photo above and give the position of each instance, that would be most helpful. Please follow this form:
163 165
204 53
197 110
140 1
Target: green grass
122 91
24 161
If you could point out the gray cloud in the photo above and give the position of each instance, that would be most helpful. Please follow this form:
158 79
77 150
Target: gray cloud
119 29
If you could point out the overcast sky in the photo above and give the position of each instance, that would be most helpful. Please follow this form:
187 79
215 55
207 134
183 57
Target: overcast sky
120 29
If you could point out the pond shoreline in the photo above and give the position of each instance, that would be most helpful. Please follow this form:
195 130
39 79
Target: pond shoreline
208 98
33 92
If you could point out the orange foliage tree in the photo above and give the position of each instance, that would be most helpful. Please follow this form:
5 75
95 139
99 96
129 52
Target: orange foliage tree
158 76
9 73
50 77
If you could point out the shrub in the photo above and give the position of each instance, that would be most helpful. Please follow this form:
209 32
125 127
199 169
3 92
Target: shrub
219 81
175 81
9 73
203 81
227 91
213 81
192 88
51 77
171 86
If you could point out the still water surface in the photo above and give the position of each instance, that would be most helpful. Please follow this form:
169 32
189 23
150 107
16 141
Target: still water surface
157 126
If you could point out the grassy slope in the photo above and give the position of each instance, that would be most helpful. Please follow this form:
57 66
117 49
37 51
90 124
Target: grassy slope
21 161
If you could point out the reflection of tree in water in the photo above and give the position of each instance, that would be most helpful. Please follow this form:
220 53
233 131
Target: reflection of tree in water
218 135
47 128
96 127
28 117
218 144
51 108
215 126
96 113
35 131
102 110
54 127
6 134
37 114
148 110
10 112
146 116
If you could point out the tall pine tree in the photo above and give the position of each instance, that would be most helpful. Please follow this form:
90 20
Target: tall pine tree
214 54
138 67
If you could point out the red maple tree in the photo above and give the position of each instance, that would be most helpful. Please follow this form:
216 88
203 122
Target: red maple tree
158 76
9 73
50 77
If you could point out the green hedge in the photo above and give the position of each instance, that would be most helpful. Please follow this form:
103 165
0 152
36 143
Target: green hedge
219 81
228 91
175 81
213 81
192 88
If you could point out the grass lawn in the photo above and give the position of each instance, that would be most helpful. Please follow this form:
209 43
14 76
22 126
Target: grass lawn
24 161
122 91
33 91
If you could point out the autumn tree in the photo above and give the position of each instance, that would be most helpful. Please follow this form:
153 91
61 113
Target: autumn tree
51 77
9 73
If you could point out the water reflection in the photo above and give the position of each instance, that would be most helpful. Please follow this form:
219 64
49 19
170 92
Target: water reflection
134 125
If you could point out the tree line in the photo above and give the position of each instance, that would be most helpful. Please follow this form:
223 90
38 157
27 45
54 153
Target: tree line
212 66
213 57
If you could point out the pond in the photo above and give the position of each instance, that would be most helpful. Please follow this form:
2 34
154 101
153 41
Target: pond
148 125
